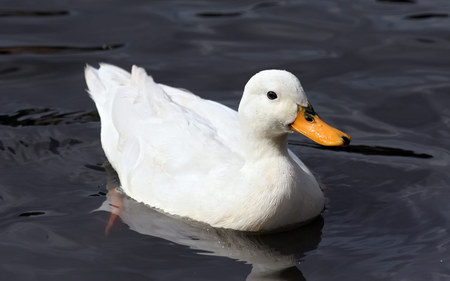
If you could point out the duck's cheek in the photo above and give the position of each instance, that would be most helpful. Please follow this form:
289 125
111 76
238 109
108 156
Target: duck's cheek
287 112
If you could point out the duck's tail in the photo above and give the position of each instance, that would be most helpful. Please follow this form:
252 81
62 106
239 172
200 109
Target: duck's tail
99 81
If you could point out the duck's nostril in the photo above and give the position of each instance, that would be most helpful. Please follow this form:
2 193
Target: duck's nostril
345 139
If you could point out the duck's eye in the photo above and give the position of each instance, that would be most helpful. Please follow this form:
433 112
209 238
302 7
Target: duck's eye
309 118
271 95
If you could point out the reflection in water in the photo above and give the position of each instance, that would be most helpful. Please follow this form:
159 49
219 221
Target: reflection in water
272 256
368 150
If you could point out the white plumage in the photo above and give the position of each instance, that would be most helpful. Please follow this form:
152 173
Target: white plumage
199 159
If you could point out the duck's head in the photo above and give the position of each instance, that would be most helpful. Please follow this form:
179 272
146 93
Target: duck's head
274 103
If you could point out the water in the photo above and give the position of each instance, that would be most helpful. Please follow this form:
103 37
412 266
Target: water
378 70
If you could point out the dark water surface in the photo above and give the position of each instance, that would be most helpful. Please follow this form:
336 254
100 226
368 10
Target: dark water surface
379 70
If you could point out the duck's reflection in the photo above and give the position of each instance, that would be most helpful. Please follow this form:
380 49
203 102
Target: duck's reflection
272 256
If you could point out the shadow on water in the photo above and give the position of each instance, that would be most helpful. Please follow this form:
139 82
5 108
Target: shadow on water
272 256
368 150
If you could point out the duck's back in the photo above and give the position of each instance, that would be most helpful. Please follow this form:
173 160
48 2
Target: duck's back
167 145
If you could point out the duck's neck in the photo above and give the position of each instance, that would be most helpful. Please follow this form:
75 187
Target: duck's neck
259 147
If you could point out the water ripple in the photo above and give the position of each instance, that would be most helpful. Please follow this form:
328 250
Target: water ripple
32 213
45 117
425 16
220 14
13 50
33 13
398 1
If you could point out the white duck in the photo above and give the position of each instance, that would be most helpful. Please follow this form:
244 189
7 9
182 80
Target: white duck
199 159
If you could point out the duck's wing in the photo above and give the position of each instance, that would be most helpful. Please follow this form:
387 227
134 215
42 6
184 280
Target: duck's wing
155 135
222 118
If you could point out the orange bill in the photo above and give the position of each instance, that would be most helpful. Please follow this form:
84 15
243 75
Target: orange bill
309 124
